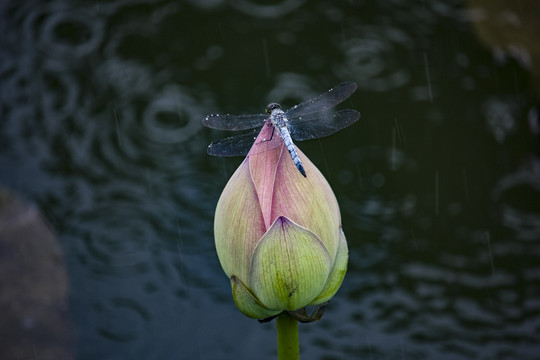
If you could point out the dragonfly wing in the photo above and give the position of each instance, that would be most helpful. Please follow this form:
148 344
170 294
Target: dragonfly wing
237 145
234 122
323 102
321 124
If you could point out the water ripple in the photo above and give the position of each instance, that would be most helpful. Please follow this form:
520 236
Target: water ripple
70 33
370 58
121 319
172 116
250 7
519 196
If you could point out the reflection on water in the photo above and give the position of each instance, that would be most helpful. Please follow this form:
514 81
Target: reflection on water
100 124
33 300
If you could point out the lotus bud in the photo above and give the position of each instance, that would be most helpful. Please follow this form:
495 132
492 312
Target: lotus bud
278 234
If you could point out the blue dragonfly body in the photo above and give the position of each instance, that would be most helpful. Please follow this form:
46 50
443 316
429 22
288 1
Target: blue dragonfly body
310 119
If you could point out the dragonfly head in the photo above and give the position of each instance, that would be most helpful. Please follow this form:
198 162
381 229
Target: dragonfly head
271 107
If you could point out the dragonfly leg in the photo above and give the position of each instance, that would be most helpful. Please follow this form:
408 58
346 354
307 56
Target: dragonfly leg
271 136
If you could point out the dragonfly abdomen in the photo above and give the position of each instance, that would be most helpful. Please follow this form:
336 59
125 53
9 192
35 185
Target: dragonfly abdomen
292 151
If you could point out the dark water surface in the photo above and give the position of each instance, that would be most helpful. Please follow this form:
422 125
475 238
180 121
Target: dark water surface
439 183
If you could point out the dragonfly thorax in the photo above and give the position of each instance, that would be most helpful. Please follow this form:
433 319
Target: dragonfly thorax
277 118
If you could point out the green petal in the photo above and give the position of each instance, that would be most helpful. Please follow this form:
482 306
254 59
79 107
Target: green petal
309 201
337 273
290 266
247 302
238 224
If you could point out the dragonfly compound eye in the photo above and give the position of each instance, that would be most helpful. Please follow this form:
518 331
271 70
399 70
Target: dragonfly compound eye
272 106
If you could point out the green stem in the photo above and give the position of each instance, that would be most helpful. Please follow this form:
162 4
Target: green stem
287 337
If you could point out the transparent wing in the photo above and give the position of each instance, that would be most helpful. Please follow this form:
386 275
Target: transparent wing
321 124
234 122
323 102
237 145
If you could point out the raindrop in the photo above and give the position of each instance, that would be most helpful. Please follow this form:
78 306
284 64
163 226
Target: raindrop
436 193
490 252
180 254
149 185
116 121
465 183
179 239
413 236
393 160
266 57
399 131
428 77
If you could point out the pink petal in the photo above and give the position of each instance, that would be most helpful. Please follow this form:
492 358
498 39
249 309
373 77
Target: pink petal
263 159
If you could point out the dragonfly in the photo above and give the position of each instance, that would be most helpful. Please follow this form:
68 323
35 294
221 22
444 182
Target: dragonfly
311 119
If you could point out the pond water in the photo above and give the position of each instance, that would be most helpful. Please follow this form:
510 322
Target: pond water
101 105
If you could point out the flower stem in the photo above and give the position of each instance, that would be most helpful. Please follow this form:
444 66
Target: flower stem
287 337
